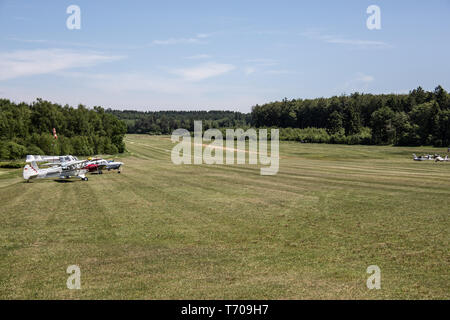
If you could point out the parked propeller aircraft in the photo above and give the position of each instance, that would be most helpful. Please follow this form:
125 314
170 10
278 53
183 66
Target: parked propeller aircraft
114 165
422 158
65 167
436 158
96 165
62 167
440 159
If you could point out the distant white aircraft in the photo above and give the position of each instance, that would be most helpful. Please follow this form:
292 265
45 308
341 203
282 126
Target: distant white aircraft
62 167
113 165
436 158
440 159
422 158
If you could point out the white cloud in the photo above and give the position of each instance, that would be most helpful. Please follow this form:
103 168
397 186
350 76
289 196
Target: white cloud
282 71
357 42
199 56
197 39
259 65
136 82
58 43
342 40
142 91
364 78
360 82
23 63
249 70
263 62
203 71
203 35
176 41
28 40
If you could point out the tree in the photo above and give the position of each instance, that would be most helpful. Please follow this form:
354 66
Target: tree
425 117
405 132
335 121
419 95
444 129
80 130
352 120
441 97
383 131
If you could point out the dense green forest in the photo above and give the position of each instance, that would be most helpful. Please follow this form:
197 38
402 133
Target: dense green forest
165 122
27 129
418 118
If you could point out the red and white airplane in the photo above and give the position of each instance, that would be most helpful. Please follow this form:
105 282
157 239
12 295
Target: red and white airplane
96 165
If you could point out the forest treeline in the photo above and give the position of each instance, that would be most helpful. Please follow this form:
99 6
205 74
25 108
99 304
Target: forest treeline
27 129
418 118
165 122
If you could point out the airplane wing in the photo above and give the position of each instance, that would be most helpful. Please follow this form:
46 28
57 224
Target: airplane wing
39 158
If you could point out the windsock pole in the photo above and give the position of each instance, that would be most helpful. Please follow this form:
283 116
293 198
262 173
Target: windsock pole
54 142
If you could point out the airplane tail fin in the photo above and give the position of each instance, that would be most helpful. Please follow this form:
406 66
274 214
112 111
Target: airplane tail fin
30 172
34 165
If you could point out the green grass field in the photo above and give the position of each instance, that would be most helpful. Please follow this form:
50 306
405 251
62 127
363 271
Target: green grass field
161 231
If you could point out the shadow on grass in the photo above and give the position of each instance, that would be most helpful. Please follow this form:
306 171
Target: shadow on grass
63 181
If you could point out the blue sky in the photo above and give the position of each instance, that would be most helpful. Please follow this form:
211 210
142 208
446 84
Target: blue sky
155 55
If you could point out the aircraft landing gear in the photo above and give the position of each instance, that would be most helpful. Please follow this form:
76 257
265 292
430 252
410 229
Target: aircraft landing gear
85 179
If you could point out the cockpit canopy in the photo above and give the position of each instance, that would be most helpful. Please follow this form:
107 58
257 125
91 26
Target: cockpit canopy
63 159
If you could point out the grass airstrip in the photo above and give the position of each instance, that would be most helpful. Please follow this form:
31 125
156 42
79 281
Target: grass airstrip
162 231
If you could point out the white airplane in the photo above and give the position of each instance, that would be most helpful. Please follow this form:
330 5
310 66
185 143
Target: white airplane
113 165
422 158
440 159
62 167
